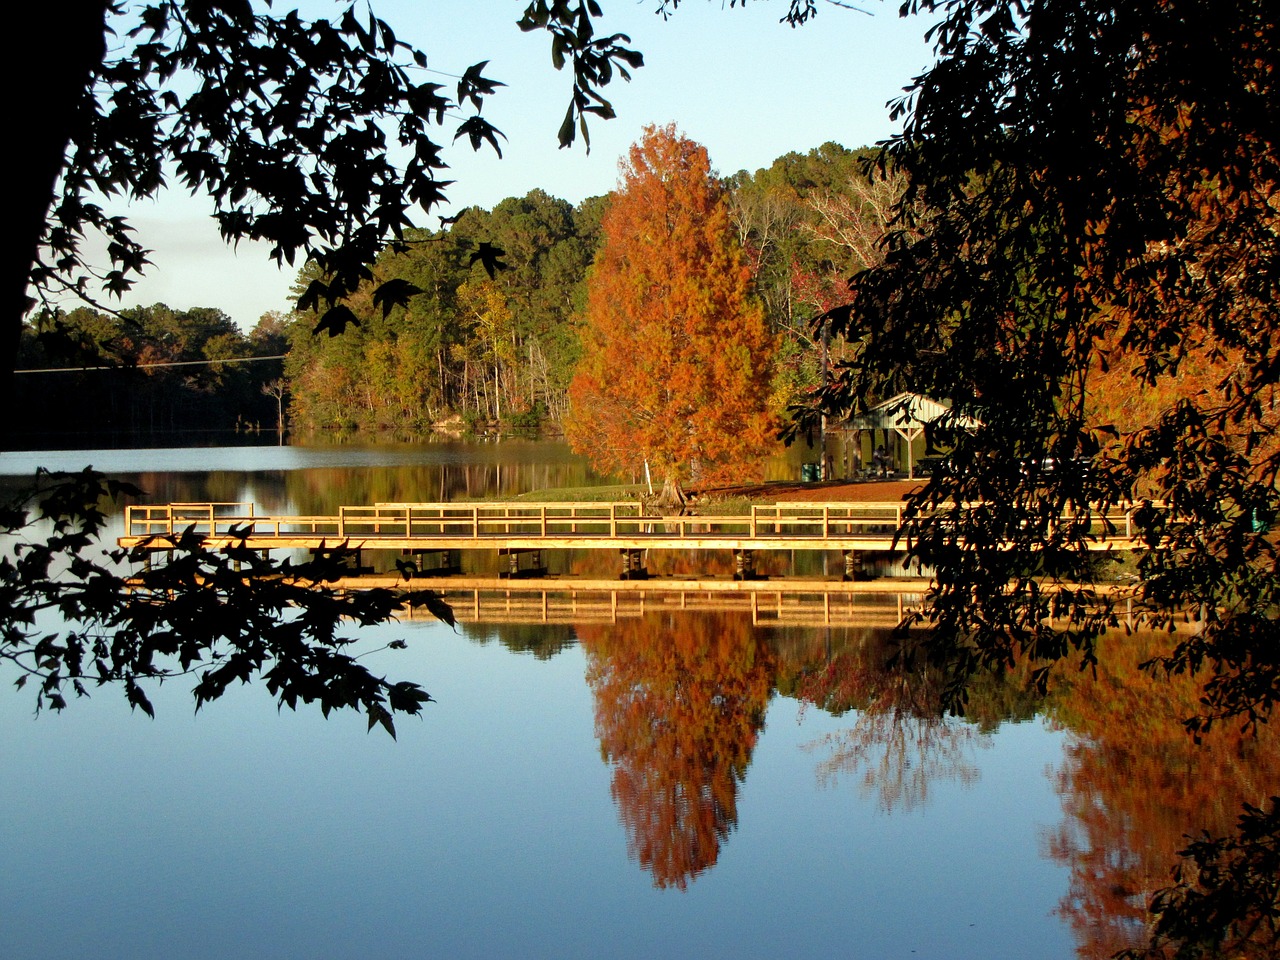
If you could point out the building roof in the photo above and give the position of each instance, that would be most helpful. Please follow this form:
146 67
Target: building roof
906 411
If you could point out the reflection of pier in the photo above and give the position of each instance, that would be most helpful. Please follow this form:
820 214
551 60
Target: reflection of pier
782 602
514 527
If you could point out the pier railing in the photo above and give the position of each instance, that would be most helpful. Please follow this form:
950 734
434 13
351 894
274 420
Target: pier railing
496 521
553 522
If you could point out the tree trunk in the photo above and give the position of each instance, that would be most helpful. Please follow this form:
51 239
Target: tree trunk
45 115
672 493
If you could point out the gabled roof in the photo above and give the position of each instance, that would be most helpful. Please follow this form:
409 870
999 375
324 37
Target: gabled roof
903 412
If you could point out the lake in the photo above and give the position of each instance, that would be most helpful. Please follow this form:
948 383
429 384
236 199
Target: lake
666 785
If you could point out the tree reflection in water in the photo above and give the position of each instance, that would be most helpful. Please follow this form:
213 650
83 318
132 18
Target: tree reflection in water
1135 786
900 742
680 702
897 756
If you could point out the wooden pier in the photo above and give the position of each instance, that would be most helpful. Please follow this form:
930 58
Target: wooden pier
545 526
513 526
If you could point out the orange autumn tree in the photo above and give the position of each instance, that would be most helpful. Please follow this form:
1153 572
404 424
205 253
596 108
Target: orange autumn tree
677 356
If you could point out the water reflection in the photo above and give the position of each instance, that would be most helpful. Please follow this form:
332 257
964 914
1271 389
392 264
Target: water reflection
317 480
901 742
680 701
502 786
1135 785
542 640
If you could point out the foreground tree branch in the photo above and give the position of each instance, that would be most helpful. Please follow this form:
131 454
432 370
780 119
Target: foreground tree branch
221 617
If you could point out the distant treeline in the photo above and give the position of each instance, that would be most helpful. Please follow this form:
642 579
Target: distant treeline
146 371
469 348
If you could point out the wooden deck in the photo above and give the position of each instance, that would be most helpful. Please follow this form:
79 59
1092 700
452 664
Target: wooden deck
777 601
788 601
513 526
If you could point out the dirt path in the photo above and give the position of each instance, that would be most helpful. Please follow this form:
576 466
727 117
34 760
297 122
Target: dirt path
831 490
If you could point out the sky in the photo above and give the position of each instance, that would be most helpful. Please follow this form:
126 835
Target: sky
734 79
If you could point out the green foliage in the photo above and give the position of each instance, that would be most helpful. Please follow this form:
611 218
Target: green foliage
485 348
220 617
795 217
142 371
287 124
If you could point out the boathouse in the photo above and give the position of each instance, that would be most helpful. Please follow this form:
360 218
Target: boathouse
900 425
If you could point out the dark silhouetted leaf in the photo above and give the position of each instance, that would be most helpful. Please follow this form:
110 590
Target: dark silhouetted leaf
336 319
489 257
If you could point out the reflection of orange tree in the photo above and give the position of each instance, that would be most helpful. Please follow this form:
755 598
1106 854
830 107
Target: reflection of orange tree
900 742
1134 784
680 702
673 563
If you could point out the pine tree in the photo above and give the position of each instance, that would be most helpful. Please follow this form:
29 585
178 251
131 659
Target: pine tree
676 361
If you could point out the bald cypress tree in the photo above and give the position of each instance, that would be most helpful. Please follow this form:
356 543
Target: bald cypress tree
677 354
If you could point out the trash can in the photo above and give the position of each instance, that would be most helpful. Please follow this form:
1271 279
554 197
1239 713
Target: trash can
810 472
1260 520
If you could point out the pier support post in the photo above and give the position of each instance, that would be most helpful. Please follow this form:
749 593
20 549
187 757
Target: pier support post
434 563
850 566
534 569
744 565
633 567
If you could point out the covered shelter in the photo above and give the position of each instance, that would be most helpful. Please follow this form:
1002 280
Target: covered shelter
904 420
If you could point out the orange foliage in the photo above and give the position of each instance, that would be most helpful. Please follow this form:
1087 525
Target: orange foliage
680 701
1117 396
677 354
1135 785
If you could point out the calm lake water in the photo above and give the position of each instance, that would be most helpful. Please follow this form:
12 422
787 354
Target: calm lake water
664 786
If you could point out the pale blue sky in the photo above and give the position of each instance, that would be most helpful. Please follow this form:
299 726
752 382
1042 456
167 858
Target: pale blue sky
736 80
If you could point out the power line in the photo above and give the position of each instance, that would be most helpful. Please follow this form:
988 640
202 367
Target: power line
147 366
